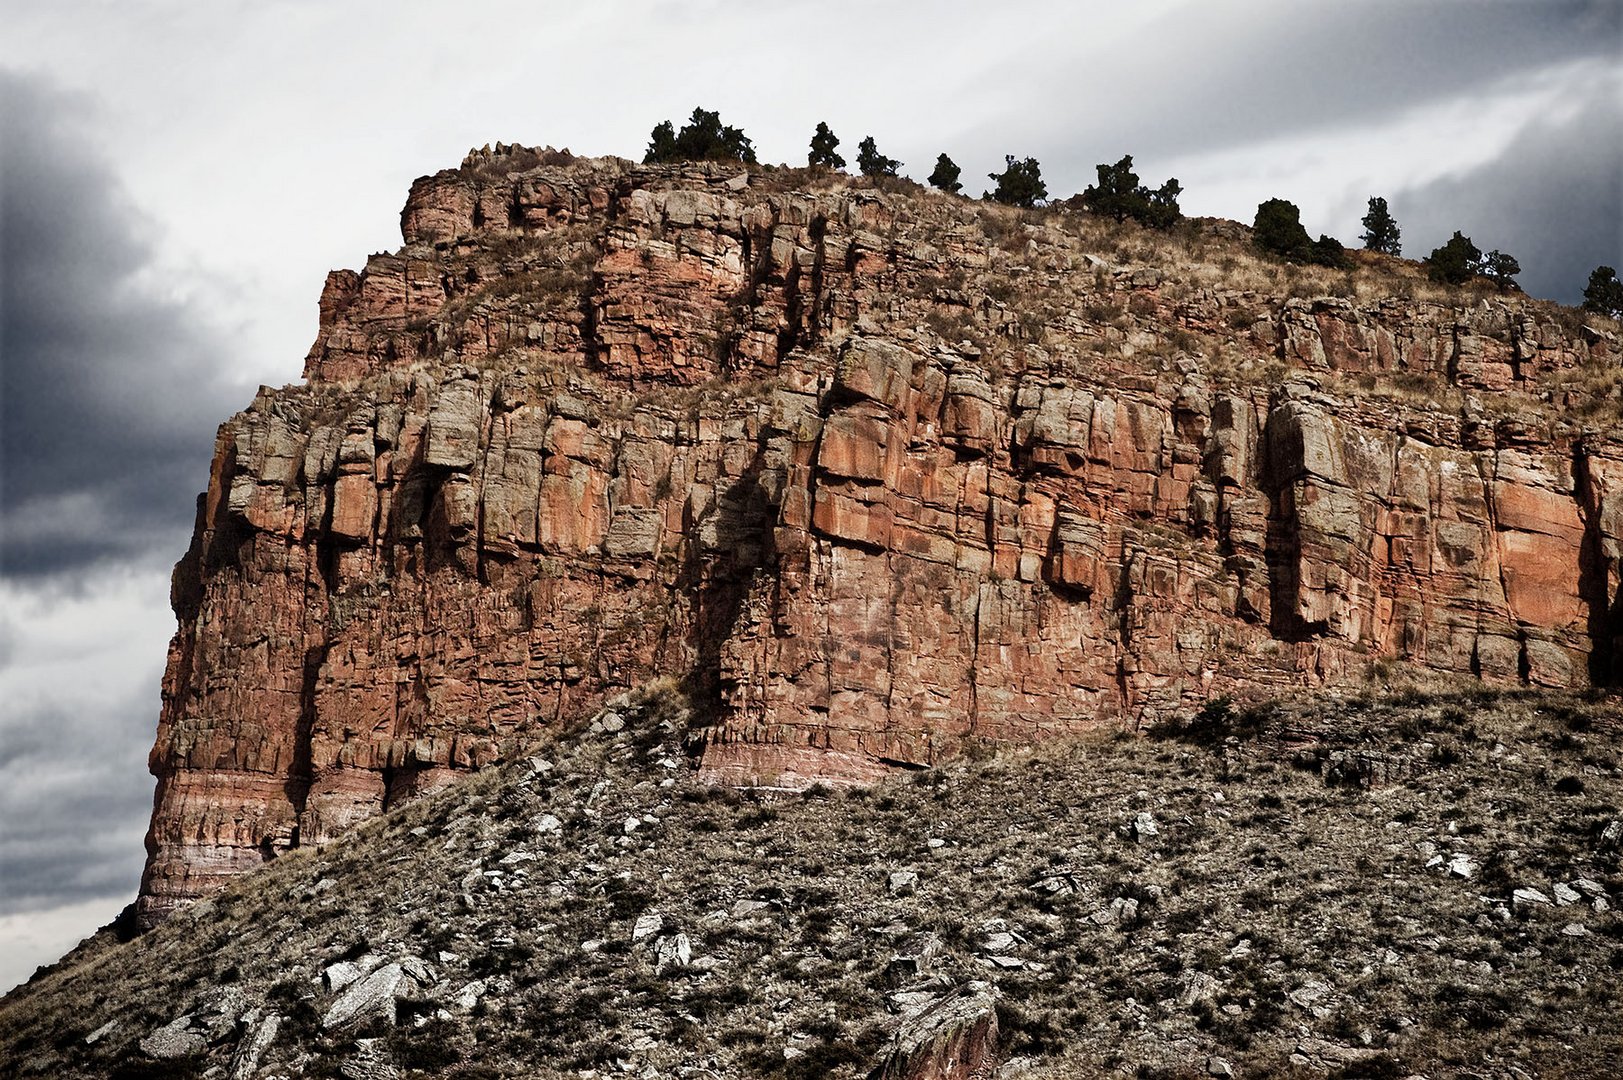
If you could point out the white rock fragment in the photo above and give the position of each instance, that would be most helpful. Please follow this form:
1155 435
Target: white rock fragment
1144 826
1196 987
101 1033
374 996
469 995
173 1040
674 951
647 926
1000 942
259 1037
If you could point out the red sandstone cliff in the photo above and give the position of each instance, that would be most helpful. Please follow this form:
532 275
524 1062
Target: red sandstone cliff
880 473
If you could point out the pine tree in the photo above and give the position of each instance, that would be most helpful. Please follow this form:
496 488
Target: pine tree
1455 262
702 138
822 153
661 144
1020 183
1381 232
1501 268
946 175
1277 229
1118 194
1161 205
1604 293
872 162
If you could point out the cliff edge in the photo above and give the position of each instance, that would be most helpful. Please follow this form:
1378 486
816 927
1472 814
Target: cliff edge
879 473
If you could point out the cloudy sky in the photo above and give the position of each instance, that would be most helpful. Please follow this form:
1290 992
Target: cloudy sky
177 177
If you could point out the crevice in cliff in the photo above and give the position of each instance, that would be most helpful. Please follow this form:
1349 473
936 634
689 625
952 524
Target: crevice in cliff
1121 603
1283 553
591 346
1490 509
789 336
720 581
1595 577
301 771
818 231
186 581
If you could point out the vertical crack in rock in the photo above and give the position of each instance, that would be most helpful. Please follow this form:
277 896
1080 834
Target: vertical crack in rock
1599 583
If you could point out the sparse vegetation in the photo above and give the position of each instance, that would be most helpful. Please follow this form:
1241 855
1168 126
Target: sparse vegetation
822 153
1604 293
1119 195
703 138
871 162
1019 184
945 176
1254 882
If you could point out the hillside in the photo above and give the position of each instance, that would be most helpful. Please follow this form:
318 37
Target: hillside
1386 884
882 476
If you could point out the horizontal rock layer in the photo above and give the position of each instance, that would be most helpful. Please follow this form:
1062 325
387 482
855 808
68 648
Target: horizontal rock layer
879 474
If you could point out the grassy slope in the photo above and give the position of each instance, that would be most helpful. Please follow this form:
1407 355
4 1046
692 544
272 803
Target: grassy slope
1298 875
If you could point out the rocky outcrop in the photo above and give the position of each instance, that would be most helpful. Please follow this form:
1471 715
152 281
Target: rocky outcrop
955 1038
878 474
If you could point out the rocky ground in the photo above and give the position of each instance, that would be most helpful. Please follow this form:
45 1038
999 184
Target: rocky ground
1396 884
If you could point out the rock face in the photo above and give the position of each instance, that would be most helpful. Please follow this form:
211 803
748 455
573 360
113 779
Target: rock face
955 1038
878 474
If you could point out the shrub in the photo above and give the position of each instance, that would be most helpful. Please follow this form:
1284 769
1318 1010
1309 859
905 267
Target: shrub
1020 183
1455 262
1278 230
1604 293
822 153
872 162
1501 269
702 138
946 175
1118 194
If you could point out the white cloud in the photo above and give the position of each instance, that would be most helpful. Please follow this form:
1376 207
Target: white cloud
35 939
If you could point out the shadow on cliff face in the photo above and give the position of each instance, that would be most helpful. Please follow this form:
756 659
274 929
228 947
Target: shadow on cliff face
719 581
1597 572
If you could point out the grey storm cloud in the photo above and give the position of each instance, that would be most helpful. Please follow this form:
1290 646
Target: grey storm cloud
1215 76
73 824
1553 199
1233 73
108 392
